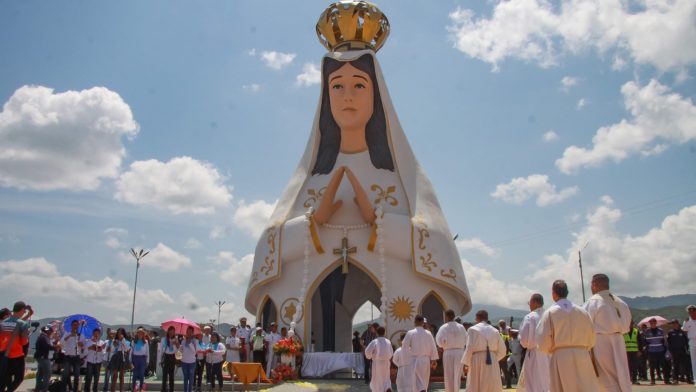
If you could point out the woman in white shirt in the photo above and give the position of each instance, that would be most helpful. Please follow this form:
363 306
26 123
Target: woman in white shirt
169 346
214 356
140 356
233 345
189 347
120 358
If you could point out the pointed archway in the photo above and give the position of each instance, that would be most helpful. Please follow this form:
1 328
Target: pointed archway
334 303
432 308
269 313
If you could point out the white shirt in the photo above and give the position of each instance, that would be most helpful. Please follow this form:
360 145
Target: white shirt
420 343
379 349
189 350
244 333
143 350
94 356
452 335
690 328
233 353
70 342
610 314
528 329
168 347
272 338
216 355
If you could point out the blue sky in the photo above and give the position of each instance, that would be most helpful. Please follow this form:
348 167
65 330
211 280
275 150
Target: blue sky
543 126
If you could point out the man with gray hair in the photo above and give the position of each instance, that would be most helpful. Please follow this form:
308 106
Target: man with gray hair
611 318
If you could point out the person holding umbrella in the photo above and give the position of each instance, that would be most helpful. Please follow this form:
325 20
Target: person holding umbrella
72 343
120 358
168 348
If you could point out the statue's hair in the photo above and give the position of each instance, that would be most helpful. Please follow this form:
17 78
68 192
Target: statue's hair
330 133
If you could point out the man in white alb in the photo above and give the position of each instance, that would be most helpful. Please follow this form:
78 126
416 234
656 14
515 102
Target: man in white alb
271 338
404 374
484 350
534 376
690 328
380 351
244 333
421 344
451 337
611 318
565 331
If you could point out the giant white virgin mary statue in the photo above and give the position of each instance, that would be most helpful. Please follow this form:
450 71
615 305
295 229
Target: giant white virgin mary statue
359 220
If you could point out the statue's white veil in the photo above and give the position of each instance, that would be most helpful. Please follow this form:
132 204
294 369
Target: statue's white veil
424 209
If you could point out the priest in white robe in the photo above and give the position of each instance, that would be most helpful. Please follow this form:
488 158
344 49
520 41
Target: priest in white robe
404 374
421 344
380 351
534 376
612 318
451 337
565 331
484 350
271 338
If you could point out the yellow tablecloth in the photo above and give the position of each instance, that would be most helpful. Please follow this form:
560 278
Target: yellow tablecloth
249 372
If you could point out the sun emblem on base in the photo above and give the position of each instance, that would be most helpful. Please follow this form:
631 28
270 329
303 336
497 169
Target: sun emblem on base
401 309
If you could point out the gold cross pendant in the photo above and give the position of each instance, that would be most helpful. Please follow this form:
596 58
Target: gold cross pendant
344 251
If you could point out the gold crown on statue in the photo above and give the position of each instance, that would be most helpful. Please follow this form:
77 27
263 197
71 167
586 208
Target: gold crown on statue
352 25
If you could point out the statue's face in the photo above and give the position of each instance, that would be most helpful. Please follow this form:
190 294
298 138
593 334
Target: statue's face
351 96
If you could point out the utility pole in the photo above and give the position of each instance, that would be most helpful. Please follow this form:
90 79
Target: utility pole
582 278
219 305
138 256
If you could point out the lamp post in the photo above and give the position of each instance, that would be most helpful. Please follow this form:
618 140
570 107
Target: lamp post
219 305
582 279
138 256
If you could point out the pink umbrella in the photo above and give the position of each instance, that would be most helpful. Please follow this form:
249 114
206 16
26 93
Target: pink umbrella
660 320
181 325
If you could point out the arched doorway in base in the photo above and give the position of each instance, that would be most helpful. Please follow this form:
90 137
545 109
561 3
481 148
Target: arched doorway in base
432 308
269 314
334 303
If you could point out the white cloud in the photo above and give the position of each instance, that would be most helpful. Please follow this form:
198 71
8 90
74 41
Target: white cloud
70 140
182 185
310 75
115 237
582 102
192 243
659 33
521 189
253 87
657 263
161 257
253 217
46 281
218 232
277 60
252 52
550 137
476 244
485 288
232 269
568 81
658 118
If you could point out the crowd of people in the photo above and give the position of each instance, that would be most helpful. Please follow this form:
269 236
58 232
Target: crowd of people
566 347
593 347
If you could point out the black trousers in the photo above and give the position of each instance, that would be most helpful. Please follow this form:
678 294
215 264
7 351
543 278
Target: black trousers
92 377
71 367
658 363
368 369
259 357
168 368
215 373
633 365
680 365
506 372
198 377
12 373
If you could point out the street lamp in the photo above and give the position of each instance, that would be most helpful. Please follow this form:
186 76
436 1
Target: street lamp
138 256
219 305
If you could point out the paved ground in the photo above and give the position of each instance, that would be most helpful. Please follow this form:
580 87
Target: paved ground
355 386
